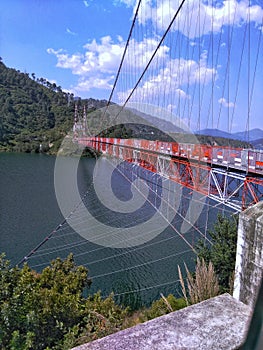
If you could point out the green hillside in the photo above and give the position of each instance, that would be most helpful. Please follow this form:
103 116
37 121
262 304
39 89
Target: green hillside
34 111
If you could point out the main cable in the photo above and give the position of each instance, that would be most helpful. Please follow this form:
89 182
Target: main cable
151 59
123 56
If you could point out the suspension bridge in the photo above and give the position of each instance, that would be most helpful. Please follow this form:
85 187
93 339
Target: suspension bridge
229 175
197 63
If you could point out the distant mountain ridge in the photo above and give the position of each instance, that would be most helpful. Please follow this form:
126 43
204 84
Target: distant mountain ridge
161 124
258 144
252 135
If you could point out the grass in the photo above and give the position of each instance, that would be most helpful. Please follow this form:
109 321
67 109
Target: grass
201 285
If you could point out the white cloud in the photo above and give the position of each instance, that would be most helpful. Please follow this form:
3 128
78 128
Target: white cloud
175 79
228 12
101 59
182 94
86 83
141 52
226 104
95 66
128 3
103 56
73 62
85 2
70 32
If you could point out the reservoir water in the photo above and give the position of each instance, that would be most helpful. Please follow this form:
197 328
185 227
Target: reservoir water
28 208
136 274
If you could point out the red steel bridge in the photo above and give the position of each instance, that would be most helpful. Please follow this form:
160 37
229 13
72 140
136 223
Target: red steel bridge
232 176
182 75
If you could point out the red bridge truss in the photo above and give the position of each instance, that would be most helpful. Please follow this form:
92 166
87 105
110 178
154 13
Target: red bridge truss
232 176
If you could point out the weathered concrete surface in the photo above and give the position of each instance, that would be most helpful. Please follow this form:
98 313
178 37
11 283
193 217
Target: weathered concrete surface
217 323
249 258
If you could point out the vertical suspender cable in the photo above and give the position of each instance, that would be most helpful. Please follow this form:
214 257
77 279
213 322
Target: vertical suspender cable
256 63
124 54
199 69
248 73
152 57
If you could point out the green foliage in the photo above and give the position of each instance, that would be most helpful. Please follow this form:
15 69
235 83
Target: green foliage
34 111
222 252
48 309
102 317
222 141
164 305
160 307
117 131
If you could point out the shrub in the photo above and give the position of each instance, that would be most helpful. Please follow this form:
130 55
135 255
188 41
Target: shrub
200 286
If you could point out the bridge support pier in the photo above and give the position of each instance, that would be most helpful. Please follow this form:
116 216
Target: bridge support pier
249 258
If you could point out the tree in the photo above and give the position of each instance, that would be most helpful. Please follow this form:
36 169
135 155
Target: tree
48 310
40 307
222 251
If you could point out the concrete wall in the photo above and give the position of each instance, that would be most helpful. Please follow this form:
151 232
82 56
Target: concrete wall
249 260
217 323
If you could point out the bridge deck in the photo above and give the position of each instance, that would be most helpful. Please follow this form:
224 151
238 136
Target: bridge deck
241 160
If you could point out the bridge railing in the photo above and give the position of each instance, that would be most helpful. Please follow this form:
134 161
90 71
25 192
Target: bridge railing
245 160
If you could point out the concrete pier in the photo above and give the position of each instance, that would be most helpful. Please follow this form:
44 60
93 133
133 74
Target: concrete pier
249 259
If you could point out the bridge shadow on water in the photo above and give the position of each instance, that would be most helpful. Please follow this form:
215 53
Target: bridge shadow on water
137 274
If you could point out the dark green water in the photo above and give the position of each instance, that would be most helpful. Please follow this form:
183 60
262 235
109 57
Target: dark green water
28 208
29 212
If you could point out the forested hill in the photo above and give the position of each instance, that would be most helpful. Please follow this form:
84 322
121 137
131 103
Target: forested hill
33 111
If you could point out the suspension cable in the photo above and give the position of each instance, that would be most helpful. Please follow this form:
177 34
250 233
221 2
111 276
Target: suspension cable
152 57
123 56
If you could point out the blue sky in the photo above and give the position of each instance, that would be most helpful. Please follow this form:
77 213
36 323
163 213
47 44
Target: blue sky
78 45
30 27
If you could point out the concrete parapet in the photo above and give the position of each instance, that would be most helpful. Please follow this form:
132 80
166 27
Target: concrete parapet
249 259
217 323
